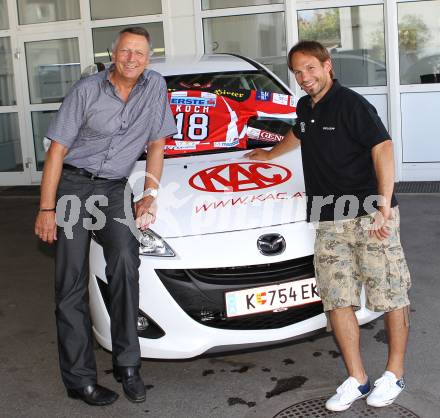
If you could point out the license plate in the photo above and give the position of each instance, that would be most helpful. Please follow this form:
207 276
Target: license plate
271 298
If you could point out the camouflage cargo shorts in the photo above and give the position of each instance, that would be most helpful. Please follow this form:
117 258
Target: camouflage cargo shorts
346 257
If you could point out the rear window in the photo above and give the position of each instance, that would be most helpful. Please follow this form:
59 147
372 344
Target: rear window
240 89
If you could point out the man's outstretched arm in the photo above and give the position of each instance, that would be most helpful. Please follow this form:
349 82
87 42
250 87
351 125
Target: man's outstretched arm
289 143
145 208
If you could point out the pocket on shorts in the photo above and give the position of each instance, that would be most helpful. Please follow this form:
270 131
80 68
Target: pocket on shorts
398 273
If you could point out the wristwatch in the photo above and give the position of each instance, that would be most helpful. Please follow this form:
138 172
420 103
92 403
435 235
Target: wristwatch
150 192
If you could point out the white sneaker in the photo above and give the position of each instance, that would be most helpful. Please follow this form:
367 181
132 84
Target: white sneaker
386 389
350 391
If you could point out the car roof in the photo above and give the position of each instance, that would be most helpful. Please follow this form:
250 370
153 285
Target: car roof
193 64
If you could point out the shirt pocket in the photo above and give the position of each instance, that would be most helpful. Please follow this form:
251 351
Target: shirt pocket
89 134
102 123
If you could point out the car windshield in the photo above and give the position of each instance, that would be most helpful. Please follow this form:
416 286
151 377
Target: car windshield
227 111
234 80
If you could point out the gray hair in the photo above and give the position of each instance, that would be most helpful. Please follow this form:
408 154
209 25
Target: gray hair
135 30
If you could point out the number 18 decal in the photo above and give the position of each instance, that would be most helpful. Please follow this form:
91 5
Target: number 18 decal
197 126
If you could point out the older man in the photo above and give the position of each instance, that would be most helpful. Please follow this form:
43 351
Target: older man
101 129
349 177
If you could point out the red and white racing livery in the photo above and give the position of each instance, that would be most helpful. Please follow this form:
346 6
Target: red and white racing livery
210 120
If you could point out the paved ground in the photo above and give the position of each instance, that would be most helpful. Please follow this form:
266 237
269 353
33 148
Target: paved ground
246 385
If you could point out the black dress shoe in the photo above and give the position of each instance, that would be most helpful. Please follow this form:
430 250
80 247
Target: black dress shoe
93 395
132 383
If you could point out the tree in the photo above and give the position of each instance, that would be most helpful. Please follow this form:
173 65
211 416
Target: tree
413 33
323 27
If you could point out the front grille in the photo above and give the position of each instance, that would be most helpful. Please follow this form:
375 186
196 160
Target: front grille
256 275
268 320
200 293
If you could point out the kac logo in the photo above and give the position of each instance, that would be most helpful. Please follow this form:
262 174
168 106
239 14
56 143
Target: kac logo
238 177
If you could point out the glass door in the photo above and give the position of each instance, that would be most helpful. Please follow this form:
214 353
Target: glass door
354 34
12 160
49 67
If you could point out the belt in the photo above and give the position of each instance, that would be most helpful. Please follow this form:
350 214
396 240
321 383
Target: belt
82 172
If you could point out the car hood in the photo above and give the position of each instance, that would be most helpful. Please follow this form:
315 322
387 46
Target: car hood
217 193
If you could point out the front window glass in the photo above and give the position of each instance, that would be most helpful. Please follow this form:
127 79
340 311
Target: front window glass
31 11
355 38
419 42
258 36
7 88
109 9
11 158
53 66
40 125
104 37
4 24
223 4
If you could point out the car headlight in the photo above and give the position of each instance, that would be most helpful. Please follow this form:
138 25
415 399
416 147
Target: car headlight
152 244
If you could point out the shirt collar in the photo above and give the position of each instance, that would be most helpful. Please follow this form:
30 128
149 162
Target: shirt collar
331 92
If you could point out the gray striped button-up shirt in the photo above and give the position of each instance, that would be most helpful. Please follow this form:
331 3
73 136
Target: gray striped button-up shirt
106 135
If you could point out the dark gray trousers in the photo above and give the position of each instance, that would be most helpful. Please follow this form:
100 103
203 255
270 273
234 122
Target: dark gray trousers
121 252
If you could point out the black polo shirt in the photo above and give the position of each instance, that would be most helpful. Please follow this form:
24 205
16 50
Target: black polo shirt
337 135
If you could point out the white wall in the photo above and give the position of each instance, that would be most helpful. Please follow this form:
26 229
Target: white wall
421 129
180 20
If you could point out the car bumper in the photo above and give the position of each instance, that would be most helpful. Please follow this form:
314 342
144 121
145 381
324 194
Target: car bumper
183 336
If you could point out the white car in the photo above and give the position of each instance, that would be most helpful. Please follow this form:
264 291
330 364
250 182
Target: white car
228 264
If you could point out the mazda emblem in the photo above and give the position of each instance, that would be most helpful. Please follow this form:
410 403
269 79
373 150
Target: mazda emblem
271 244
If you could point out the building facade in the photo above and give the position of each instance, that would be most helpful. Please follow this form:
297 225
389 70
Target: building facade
389 51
